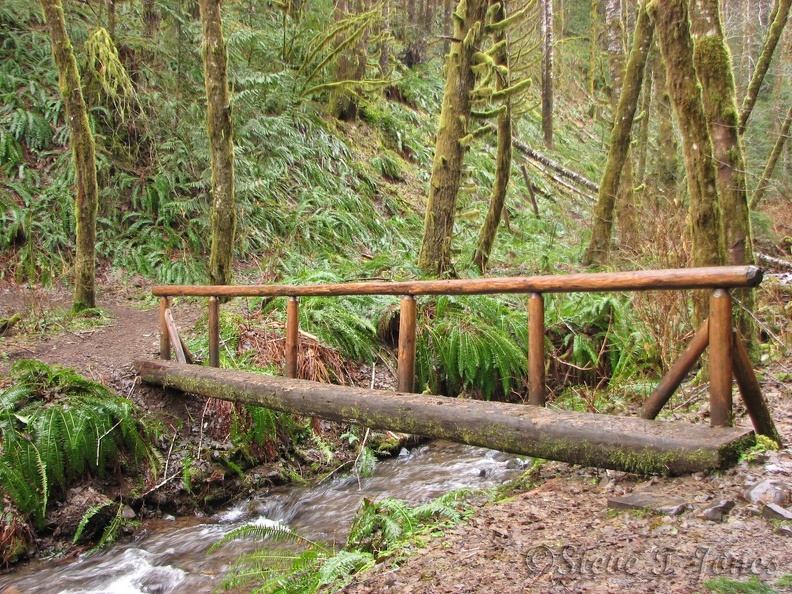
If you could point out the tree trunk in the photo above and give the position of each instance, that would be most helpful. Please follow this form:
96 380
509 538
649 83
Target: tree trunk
619 150
594 47
778 148
547 71
646 109
616 47
221 144
503 158
435 254
83 155
668 146
672 24
780 15
714 67
151 18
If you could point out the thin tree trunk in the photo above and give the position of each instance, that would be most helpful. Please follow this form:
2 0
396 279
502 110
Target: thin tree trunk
446 26
619 150
667 143
547 72
435 253
151 18
594 47
83 155
503 159
221 144
672 24
616 47
778 148
646 109
780 14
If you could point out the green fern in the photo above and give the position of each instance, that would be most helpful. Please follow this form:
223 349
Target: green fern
473 345
89 513
57 426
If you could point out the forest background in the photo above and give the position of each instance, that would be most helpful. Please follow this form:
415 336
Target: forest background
320 142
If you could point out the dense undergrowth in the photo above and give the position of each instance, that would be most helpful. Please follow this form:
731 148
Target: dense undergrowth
319 200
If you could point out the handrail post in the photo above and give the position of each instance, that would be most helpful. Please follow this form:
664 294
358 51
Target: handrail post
214 332
536 345
165 345
407 327
720 346
292 335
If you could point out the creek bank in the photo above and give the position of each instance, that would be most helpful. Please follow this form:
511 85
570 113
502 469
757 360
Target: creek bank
202 469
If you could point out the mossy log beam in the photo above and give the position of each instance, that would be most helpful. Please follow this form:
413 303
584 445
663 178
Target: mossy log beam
724 277
623 443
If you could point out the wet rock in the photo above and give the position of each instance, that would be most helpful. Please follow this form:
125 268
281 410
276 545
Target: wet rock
718 512
67 517
656 502
515 464
783 529
776 512
168 518
128 513
768 491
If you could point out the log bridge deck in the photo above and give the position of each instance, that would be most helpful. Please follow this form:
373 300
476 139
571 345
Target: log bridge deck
626 443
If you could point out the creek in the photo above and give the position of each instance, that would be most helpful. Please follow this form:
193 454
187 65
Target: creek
171 556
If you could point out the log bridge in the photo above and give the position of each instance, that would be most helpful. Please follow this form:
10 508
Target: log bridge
633 444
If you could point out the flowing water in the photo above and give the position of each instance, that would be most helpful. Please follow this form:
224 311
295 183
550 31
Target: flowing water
171 556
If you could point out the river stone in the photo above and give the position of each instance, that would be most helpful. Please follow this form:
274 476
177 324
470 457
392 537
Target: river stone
768 491
776 512
656 502
717 513
128 513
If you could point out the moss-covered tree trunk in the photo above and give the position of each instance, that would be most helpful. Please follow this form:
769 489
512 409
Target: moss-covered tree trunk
548 40
665 180
645 112
83 155
221 144
672 25
435 253
714 67
778 21
772 161
619 150
503 158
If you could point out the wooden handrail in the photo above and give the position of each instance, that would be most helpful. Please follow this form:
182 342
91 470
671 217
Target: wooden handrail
716 332
720 277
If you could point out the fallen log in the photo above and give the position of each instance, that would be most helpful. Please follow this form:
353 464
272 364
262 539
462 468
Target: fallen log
622 443
557 167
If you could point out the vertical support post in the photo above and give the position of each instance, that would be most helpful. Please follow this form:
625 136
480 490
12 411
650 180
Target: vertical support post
214 332
720 347
292 335
536 346
406 370
165 346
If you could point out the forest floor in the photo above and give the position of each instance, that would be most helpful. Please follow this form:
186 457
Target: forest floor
557 534
562 535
